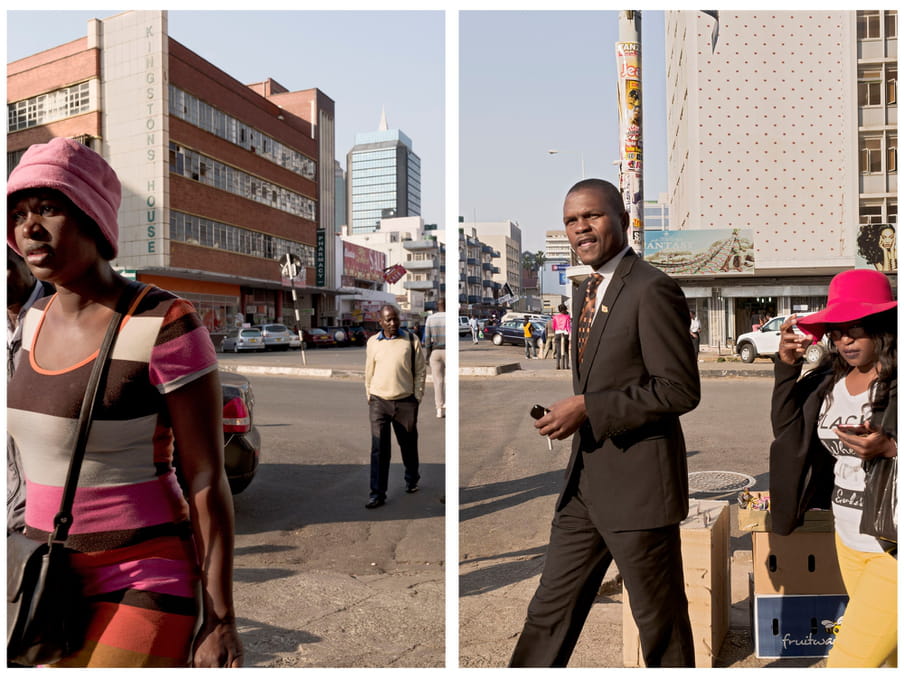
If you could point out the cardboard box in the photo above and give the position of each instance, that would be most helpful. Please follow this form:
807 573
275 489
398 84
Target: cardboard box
707 582
802 563
796 626
757 520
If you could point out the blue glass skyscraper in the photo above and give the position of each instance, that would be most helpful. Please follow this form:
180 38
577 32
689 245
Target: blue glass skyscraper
384 179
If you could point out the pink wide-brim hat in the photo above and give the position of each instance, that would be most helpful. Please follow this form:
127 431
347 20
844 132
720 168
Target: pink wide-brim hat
80 174
853 295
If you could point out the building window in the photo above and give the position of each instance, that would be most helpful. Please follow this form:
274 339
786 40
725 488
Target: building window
891 85
50 106
188 163
871 155
869 87
871 214
201 114
891 153
868 25
891 24
195 230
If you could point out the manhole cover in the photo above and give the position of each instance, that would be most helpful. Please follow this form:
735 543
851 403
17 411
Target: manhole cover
718 482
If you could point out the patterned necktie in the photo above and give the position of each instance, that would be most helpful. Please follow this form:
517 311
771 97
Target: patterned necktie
586 319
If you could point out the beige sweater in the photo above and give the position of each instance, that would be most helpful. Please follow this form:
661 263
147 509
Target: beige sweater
387 368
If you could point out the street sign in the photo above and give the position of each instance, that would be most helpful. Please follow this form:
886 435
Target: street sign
290 265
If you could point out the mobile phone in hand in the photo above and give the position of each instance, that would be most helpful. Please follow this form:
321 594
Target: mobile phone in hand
538 411
853 429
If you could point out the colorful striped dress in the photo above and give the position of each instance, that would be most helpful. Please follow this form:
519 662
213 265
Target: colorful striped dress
130 526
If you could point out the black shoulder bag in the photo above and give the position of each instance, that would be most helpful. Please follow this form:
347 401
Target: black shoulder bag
45 611
880 495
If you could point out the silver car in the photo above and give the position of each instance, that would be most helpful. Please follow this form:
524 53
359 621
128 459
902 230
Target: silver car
277 337
244 339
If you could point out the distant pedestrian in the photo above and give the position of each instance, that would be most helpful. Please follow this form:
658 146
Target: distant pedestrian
22 291
435 345
394 376
475 328
695 333
561 326
528 330
544 341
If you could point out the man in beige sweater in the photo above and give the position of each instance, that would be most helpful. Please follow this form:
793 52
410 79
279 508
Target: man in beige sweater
394 375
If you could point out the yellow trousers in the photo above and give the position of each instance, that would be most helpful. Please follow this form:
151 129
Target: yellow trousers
868 636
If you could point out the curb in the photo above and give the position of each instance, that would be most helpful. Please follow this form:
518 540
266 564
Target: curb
488 370
470 371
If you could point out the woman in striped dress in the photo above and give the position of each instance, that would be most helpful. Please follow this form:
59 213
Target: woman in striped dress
143 552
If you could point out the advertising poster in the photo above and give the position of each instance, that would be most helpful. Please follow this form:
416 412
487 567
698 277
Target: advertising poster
701 252
362 263
628 62
877 247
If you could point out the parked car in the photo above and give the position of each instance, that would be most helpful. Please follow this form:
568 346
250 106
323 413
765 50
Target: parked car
359 335
318 338
340 335
277 337
764 342
512 332
243 339
464 329
241 439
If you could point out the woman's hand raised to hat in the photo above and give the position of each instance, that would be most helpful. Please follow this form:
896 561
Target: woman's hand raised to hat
792 345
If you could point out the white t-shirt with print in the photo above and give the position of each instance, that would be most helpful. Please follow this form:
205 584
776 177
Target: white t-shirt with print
847 496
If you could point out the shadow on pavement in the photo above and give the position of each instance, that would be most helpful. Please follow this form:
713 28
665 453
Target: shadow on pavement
291 496
486 499
527 564
265 644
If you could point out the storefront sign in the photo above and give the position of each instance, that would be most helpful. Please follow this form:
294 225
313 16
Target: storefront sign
362 263
320 257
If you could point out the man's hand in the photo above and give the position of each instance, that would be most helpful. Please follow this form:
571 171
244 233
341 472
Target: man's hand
867 442
792 346
564 418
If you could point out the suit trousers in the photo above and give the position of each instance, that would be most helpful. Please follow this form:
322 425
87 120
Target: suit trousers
578 556
387 416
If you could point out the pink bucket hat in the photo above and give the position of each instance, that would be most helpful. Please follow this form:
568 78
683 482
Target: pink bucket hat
853 295
80 174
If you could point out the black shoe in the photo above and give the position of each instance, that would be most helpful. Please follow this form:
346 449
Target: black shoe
375 502
411 489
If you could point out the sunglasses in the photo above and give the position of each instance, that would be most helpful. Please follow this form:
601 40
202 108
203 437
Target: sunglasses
852 331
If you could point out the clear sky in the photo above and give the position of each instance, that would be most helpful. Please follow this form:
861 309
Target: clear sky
364 60
531 81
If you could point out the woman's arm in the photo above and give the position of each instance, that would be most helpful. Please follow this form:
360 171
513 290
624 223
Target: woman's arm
196 413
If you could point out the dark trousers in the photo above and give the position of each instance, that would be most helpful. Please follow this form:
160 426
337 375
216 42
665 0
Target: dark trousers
401 416
578 556
561 347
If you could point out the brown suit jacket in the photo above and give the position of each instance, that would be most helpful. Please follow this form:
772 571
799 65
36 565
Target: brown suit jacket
638 375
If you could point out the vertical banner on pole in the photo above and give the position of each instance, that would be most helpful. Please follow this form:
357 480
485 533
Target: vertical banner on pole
628 61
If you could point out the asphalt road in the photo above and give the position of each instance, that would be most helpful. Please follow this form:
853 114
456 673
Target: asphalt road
321 581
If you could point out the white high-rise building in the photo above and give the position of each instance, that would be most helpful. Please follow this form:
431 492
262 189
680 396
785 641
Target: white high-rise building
786 129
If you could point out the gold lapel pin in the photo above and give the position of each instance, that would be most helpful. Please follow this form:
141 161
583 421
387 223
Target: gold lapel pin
604 309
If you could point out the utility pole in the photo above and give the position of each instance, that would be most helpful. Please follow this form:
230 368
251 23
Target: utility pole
630 174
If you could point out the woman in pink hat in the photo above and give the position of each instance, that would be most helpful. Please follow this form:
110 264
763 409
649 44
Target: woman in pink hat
826 424
142 551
